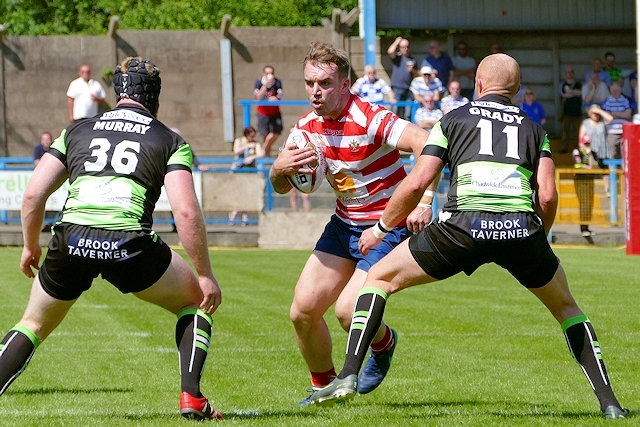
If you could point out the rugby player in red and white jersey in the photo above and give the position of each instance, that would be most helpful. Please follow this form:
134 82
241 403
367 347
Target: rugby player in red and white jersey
363 144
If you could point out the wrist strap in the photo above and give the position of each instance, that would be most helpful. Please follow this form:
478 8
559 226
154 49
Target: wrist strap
378 232
383 227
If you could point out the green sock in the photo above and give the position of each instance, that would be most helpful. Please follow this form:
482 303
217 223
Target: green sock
585 349
193 337
366 320
16 350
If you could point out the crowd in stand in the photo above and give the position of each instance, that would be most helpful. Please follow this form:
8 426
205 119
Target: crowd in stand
440 83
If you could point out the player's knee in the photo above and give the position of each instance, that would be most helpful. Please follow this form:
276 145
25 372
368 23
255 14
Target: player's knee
303 316
344 313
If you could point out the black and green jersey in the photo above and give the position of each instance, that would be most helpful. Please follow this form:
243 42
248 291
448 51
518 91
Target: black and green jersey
492 149
116 163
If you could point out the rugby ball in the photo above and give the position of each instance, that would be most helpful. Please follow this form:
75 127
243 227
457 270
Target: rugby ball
308 182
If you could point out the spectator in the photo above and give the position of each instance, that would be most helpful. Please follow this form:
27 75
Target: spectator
494 48
596 67
372 88
454 99
425 84
584 158
304 198
440 62
533 108
428 115
570 109
618 106
518 98
38 151
106 229
364 160
245 150
594 91
594 128
402 70
464 70
615 75
84 95
633 85
268 88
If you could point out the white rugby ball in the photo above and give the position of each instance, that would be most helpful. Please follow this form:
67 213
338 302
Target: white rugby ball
308 182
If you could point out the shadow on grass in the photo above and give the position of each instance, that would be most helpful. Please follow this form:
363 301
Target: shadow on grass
507 410
57 390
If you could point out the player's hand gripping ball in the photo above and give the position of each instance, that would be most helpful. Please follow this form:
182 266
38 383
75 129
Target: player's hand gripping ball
308 182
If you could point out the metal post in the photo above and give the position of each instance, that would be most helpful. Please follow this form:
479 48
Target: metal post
369 14
227 80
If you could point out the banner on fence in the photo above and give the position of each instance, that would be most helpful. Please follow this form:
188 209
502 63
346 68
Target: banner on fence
14 183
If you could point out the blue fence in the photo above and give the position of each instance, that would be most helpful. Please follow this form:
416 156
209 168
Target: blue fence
247 105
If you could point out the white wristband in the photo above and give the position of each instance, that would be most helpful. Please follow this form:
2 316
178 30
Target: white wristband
378 232
425 205
384 227
429 193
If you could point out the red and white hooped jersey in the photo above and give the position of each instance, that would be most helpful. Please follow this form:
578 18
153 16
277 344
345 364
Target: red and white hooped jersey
364 166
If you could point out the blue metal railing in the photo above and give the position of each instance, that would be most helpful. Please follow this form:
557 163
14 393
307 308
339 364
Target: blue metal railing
247 105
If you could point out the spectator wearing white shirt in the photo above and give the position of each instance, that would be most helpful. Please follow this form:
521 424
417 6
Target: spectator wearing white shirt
84 95
428 115
426 83
454 99
372 88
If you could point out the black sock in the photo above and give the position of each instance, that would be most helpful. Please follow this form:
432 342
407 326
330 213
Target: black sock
585 349
193 337
16 350
366 320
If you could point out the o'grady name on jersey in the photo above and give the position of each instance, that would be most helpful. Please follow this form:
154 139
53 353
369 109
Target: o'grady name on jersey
123 121
505 113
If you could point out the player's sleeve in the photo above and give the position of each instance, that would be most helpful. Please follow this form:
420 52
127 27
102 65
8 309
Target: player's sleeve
390 127
181 159
545 149
437 143
59 147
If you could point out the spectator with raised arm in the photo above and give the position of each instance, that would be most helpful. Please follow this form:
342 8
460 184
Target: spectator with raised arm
402 70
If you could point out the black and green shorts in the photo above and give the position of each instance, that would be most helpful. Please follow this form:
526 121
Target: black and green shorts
130 260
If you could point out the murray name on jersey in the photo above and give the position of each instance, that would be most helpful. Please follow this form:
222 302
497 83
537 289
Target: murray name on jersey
123 121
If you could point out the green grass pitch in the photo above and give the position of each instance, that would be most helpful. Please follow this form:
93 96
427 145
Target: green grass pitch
478 351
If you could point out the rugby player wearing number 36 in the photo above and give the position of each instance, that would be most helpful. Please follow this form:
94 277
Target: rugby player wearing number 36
116 164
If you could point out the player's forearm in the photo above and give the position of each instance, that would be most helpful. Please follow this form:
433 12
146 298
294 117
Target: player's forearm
280 183
31 216
546 209
193 236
